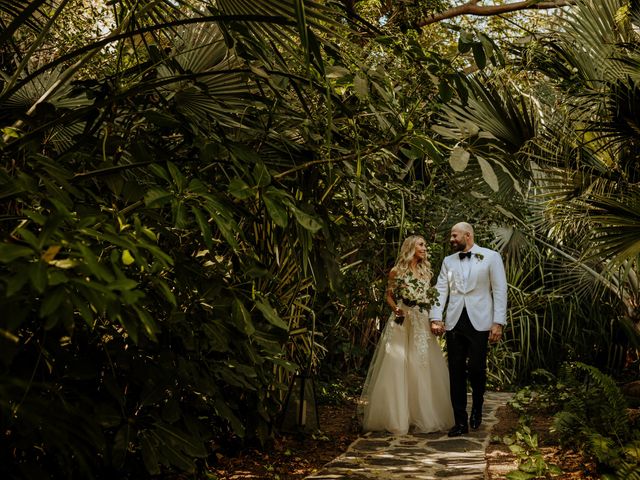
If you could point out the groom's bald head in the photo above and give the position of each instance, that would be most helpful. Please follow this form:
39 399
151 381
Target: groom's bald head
461 237
463 227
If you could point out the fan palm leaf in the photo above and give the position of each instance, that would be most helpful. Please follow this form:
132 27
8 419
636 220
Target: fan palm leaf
203 78
19 13
492 125
594 29
136 17
617 225
306 15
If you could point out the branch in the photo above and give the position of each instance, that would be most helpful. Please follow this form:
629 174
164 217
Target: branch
472 8
345 158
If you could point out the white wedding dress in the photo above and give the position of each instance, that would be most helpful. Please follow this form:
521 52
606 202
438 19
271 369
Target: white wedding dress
407 384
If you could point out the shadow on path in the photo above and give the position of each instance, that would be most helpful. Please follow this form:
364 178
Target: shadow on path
419 455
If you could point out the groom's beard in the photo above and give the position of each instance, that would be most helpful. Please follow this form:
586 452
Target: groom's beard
458 247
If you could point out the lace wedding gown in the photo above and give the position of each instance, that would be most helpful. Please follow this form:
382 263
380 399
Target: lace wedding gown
407 384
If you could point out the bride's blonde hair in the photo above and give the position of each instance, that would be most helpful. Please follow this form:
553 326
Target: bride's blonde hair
407 251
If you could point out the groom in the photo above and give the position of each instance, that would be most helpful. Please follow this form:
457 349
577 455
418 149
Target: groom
474 283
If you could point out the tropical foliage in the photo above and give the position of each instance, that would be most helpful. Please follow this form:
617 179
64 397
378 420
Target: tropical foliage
552 144
591 415
201 199
174 190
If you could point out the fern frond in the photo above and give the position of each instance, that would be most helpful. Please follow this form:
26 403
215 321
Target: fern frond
597 400
606 406
568 426
603 448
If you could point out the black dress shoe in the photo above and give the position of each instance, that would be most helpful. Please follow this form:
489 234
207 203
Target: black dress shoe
475 419
458 430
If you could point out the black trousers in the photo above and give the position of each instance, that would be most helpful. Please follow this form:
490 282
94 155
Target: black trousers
467 356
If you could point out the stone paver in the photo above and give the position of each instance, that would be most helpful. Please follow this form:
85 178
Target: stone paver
424 456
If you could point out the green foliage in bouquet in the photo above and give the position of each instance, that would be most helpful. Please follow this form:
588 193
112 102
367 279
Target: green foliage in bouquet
416 291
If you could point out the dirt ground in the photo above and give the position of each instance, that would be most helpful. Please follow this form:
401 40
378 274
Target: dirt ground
292 457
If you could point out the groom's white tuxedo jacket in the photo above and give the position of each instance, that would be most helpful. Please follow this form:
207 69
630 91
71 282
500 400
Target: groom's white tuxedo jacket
481 286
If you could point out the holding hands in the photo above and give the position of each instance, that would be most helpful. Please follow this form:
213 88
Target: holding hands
437 328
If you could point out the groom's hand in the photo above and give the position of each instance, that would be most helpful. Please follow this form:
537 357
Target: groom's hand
437 328
496 333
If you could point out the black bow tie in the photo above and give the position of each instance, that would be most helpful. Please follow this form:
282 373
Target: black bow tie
464 255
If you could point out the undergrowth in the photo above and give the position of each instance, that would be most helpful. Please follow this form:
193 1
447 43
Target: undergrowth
590 414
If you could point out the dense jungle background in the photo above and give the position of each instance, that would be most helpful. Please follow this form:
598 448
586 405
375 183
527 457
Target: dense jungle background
201 200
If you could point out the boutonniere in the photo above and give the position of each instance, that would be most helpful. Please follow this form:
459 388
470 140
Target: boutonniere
479 256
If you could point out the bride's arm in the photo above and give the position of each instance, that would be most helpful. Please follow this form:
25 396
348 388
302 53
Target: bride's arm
390 297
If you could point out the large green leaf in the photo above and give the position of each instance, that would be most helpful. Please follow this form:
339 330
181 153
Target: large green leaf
157 197
10 252
149 454
182 440
204 227
310 222
242 317
120 448
273 201
270 314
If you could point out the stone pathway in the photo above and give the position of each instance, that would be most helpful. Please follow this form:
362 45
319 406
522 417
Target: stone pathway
418 456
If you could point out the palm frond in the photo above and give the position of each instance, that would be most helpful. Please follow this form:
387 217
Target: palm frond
297 36
502 112
620 120
205 78
30 92
617 225
494 124
21 12
595 27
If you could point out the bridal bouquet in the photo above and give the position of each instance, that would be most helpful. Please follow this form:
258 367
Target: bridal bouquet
417 291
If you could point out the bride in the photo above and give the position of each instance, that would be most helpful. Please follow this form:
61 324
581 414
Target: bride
407 384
